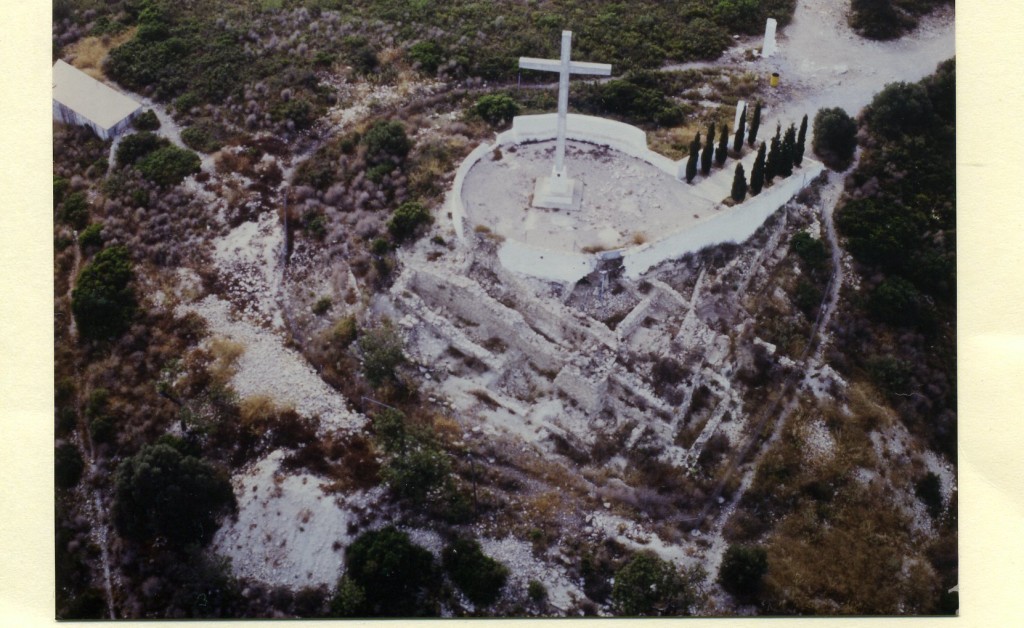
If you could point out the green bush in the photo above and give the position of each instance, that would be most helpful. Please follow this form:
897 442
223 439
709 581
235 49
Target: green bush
301 113
879 19
649 586
68 465
161 493
394 576
900 109
742 570
146 121
496 109
169 165
896 301
382 353
477 575
75 210
91 236
322 306
835 138
418 472
428 55
134 147
202 137
406 219
810 250
60 190
385 140
103 301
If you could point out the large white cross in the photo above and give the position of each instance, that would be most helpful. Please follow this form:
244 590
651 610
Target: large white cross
564 67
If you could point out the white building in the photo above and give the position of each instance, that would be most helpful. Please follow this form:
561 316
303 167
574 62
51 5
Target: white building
80 99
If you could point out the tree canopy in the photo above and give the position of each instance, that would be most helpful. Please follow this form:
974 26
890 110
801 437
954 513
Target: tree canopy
392 576
835 137
160 492
103 301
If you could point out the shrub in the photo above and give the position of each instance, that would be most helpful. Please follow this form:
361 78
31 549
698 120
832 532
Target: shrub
878 19
68 465
102 301
929 490
406 219
75 210
649 586
811 251
382 353
385 140
477 575
344 331
146 121
896 301
169 165
299 111
537 591
322 305
394 575
428 55
160 492
136 146
201 137
91 236
835 138
418 471
742 569
496 109
900 109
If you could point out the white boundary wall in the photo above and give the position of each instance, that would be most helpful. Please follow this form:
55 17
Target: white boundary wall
736 225
732 225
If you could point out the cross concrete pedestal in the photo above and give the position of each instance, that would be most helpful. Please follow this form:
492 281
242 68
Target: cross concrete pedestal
559 191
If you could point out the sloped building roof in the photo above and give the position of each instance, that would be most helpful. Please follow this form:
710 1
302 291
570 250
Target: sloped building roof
90 98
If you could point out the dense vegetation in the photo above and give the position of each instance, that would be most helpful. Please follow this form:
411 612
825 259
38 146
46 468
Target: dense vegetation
812 536
103 300
161 492
900 226
386 575
889 19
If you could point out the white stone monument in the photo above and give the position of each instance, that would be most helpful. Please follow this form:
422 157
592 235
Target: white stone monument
769 48
559 191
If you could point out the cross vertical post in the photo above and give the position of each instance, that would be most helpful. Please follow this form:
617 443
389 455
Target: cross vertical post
558 190
563 105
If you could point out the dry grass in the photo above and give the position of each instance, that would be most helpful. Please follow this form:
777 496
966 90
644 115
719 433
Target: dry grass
639 238
225 358
89 53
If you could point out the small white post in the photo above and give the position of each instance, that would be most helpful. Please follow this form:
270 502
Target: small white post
769 48
740 106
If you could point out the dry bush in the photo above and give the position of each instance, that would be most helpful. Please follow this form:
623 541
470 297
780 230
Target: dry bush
225 353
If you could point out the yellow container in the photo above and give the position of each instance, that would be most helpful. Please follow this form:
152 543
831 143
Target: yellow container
774 81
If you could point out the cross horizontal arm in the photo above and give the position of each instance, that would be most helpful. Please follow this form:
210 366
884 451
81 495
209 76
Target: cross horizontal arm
533 63
582 67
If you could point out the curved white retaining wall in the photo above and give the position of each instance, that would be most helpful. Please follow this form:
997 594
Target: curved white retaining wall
732 225
735 225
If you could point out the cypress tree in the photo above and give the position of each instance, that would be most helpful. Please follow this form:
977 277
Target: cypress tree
771 165
778 131
798 153
739 184
723 146
755 124
786 154
709 152
737 143
757 174
691 162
